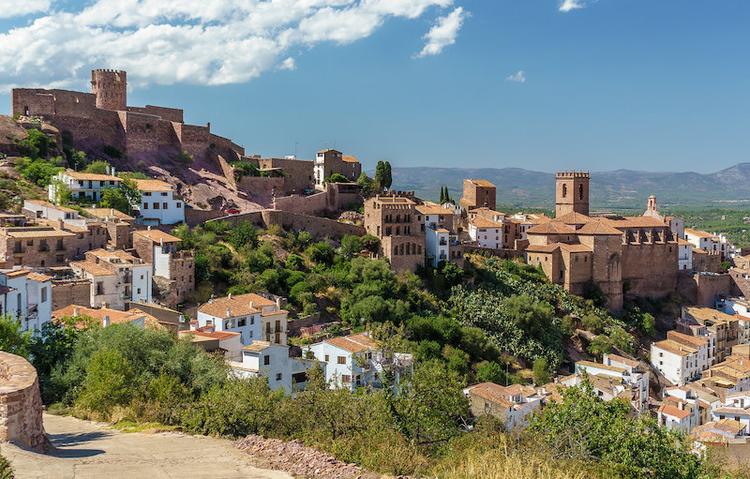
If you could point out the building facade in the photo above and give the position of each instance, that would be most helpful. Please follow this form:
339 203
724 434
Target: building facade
395 220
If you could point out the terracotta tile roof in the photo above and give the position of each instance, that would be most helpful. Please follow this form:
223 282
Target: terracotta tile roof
687 339
483 223
432 209
115 316
573 218
239 305
118 254
673 411
349 159
535 219
17 272
591 364
42 278
635 222
354 343
551 227
47 204
598 228
674 347
33 232
103 213
153 185
482 182
699 233
157 236
91 268
621 359
220 335
709 314
79 175
543 248
684 242
737 411
257 346
729 425
491 392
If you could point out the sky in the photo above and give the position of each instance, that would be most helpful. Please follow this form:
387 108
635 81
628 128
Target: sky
538 84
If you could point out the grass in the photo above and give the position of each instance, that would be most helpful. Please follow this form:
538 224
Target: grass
148 427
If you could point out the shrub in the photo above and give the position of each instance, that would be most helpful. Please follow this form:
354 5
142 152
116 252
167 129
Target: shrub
99 167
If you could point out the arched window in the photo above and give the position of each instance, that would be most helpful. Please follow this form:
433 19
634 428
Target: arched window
565 191
580 192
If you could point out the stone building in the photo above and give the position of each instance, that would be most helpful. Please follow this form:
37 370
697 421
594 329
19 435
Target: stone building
478 193
103 121
173 269
612 252
48 244
396 221
116 277
329 162
299 175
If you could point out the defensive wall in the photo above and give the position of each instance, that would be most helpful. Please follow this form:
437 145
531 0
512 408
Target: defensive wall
702 289
650 269
20 403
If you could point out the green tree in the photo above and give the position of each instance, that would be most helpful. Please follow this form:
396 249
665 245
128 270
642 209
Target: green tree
99 167
387 175
584 427
63 194
321 253
36 144
337 178
431 407
492 372
12 337
351 245
39 171
366 184
380 175
123 198
108 383
541 371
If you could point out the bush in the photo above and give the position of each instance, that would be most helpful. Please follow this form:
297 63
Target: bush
36 144
39 171
99 167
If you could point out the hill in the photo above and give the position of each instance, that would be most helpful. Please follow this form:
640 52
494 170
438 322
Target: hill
618 189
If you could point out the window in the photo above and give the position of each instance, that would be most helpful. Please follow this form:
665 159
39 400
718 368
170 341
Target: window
346 379
178 204
341 360
145 206
278 376
242 322
146 193
138 291
44 294
164 194
564 191
266 360
164 206
156 205
327 358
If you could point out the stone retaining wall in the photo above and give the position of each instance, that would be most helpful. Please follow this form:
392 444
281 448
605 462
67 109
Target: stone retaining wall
20 403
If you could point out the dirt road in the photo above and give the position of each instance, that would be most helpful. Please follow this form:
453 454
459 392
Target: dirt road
84 450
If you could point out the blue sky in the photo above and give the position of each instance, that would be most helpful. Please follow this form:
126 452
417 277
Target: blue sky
652 85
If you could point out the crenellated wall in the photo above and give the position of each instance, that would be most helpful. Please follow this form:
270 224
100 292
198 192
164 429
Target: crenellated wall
20 403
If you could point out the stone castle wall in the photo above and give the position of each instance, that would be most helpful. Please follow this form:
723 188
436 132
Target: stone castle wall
20 403
261 186
311 204
650 269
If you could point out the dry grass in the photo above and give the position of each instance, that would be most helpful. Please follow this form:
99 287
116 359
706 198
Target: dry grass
498 465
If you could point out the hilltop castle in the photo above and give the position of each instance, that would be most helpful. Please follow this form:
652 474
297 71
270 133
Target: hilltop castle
103 121
618 254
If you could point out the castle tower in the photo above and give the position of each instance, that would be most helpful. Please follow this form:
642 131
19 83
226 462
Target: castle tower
572 193
110 88
651 205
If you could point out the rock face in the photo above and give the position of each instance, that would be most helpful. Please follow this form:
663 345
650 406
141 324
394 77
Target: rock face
299 460
20 403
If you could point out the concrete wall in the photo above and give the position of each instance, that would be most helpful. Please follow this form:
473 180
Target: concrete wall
20 403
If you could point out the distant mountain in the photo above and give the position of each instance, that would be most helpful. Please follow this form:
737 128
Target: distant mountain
619 189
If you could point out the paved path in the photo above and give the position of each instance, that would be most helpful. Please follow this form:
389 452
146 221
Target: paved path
86 450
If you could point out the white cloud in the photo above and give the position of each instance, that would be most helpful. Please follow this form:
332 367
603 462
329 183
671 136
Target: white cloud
518 77
443 33
570 5
288 64
19 8
207 42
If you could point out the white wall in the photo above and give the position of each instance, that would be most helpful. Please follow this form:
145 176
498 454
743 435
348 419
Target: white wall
171 210
250 331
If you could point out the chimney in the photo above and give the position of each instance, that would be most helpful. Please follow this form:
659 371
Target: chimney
105 321
229 296
229 312
76 311
114 173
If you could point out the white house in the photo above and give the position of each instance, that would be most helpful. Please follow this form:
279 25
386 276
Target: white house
116 277
511 404
678 414
208 339
703 240
681 358
27 297
45 209
486 232
251 315
160 204
272 361
684 255
702 400
615 377
741 308
357 360
438 223
89 186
